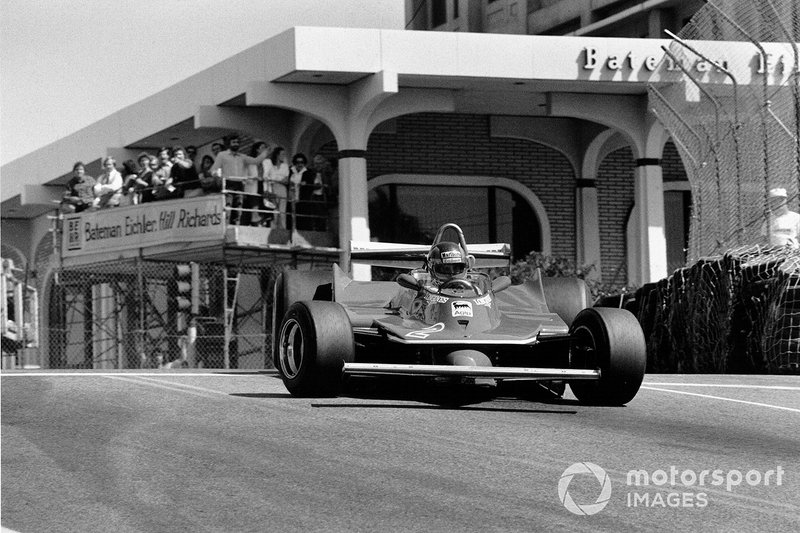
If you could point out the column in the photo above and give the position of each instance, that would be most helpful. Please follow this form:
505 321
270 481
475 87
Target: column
650 243
353 208
588 225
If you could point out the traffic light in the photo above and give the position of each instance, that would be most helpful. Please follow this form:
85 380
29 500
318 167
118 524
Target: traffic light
186 294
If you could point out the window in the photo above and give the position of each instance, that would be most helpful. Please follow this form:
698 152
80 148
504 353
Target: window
455 9
438 12
677 212
411 213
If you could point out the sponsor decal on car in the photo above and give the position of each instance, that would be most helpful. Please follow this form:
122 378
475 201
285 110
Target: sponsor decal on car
435 298
484 300
424 333
461 308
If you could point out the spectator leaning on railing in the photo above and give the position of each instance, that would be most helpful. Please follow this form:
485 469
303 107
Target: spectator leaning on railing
184 176
144 180
79 195
108 189
276 181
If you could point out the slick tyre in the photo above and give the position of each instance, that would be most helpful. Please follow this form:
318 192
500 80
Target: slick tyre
610 340
314 342
293 286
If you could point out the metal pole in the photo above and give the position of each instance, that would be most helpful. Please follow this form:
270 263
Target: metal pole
226 357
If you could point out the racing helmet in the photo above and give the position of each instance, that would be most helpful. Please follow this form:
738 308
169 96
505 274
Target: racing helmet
447 260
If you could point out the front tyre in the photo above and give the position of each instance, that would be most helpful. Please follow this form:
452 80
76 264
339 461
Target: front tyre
610 340
315 341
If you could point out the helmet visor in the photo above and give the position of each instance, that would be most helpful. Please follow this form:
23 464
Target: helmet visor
449 269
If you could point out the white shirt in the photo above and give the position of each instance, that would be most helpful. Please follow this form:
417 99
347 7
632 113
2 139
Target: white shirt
276 176
784 229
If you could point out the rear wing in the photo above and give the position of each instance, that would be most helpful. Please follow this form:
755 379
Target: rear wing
410 256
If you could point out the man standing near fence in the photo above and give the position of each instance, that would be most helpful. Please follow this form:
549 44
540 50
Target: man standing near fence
782 227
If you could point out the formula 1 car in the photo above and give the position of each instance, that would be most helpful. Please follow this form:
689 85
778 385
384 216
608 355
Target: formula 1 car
449 319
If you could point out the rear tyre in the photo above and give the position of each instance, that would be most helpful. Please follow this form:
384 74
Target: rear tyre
293 286
314 342
611 340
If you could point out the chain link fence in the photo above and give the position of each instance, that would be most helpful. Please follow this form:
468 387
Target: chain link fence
737 307
128 315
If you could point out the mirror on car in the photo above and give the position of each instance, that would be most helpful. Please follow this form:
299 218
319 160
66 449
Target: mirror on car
408 281
501 283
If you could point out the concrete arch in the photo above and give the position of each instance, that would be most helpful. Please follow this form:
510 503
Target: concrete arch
351 113
441 179
556 134
655 139
595 152
624 113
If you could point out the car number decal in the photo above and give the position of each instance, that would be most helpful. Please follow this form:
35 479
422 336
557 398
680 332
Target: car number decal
461 308
424 333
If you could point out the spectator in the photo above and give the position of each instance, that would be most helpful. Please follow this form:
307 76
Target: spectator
183 174
216 148
163 188
231 164
253 187
191 153
297 170
276 179
782 226
316 190
208 182
79 195
108 189
144 181
129 176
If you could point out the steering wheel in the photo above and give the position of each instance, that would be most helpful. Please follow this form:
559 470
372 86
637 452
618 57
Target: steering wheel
460 284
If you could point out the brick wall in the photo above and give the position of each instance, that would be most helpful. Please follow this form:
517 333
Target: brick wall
671 164
615 199
433 143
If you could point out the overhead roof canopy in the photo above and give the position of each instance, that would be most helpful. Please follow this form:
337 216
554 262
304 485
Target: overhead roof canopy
487 73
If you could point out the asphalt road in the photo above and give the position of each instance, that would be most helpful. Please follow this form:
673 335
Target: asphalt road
227 452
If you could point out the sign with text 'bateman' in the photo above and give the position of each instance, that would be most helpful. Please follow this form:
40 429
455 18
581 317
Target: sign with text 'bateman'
151 224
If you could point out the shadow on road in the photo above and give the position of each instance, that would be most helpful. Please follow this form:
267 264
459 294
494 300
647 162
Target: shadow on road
438 394
261 394
445 407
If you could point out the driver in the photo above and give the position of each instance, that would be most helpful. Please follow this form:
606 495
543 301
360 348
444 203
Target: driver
446 261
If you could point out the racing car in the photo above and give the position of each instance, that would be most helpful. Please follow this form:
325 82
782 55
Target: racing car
446 317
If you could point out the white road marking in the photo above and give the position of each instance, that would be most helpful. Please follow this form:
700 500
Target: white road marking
184 386
724 399
720 385
158 384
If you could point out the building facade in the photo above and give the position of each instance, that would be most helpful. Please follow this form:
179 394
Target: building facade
517 122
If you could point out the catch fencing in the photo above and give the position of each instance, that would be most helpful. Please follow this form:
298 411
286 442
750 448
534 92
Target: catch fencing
128 315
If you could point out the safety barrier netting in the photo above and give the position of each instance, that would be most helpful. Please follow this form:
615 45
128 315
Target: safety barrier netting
737 313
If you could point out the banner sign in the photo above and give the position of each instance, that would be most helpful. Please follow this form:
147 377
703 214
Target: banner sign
151 224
